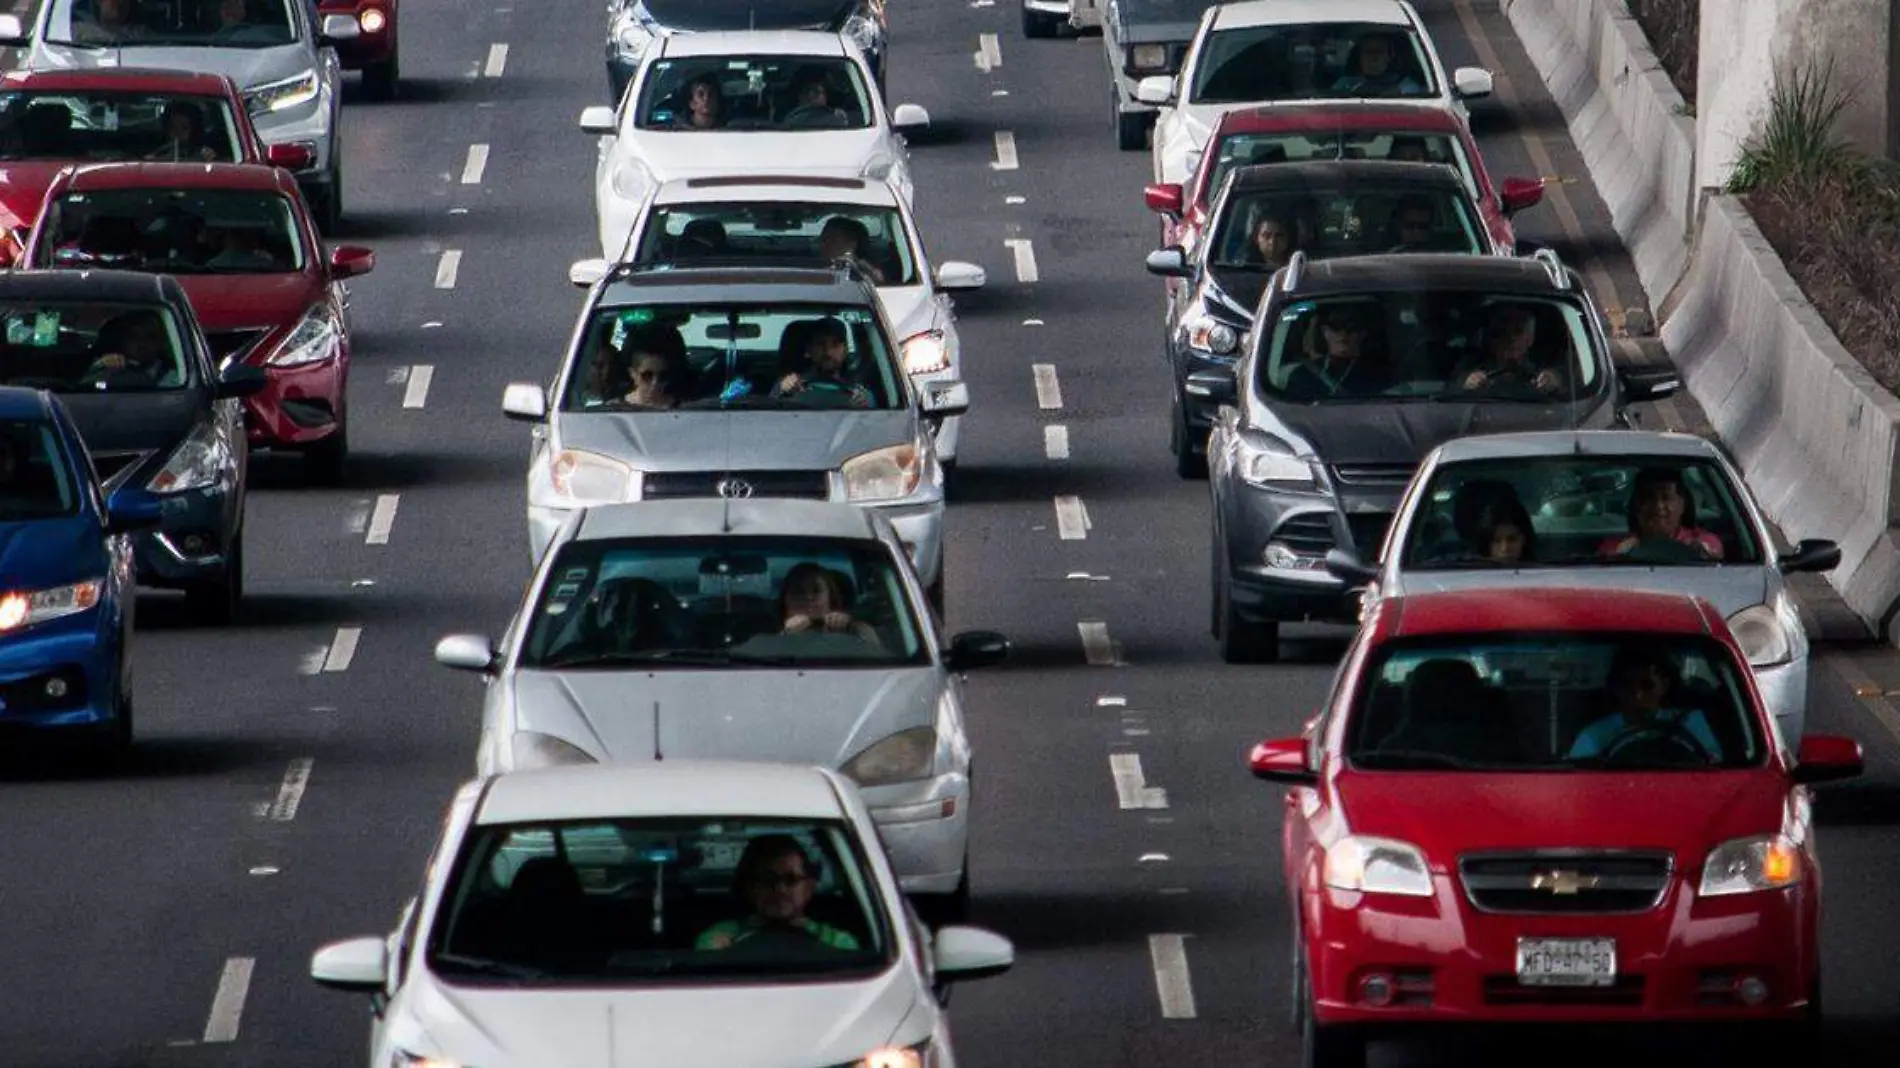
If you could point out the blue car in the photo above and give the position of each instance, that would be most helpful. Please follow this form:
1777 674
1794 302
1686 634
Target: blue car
66 581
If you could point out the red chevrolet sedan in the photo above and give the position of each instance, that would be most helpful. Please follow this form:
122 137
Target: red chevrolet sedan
375 50
1549 806
240 239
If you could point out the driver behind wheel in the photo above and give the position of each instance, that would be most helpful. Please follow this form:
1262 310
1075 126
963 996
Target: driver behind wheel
827 348
1662 509
1640 683
775 878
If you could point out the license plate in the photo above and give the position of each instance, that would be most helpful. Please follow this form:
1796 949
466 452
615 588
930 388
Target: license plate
1566 961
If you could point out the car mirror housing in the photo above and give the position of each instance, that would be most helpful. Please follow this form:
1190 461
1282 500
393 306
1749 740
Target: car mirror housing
1827 758
525 401
976 649
1812 554
466 652
1282 760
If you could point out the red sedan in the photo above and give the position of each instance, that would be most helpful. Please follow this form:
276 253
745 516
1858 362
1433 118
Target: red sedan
375 51
52 119
1549 806
240 239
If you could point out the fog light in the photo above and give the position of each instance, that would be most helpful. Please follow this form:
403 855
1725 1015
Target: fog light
1376 990
1751 990
1282 557
55 688
372 20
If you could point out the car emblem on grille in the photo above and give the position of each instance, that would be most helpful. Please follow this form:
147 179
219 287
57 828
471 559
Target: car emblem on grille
1563 883
734 488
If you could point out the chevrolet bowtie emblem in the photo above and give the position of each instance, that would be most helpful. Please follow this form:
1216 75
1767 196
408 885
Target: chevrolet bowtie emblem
1563 882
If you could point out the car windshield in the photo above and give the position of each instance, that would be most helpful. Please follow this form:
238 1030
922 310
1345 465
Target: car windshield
1246 149
172 231
172 23
1259 230
1460 346
710 356
872 236
113 126
1346 60
36 479
724 602
784 93
93 347
1556 703
660 901
1580 511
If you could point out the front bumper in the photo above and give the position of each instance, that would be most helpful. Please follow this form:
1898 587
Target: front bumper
925 828
1295 586
193 540
300 406
83 653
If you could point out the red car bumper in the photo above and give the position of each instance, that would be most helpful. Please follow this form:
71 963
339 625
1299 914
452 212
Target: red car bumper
371 47
301 407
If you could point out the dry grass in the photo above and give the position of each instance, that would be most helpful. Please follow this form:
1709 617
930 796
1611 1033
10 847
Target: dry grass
1674 28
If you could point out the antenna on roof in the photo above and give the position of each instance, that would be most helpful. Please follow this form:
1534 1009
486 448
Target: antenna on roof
657 755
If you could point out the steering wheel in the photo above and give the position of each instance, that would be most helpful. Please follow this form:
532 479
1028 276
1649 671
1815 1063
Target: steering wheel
1657 742
1665 551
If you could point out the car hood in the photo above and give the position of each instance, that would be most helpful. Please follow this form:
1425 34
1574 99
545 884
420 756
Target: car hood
23 185
50 552
750 14
1403 432
745 440
817 716
224 301
1234 294
670 154
789 1025
248 67
127 422
1729 588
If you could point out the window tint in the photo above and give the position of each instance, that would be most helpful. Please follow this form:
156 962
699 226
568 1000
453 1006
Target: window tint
93 347
184 23
873 237
1245 149
173 231
1358 221
1343 60
112 127
36 480
784 93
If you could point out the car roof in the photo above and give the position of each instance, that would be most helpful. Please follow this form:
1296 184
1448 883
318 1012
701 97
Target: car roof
1306 174
1576 443
89 284
1247 13
120 79
738 43
810 188
19 403
662 788
1335 115
1504 609
715 516
1412 271
734 283
183 176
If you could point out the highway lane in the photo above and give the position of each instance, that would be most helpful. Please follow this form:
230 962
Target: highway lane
131 894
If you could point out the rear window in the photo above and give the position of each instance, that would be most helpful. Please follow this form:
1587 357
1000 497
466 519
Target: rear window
172 231
96 125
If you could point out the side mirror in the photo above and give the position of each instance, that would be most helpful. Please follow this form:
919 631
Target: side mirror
1471 83
1812 554
1826 758
240 380
132 516
1170 262
1519 194
956 275
976 649
584 273
358 965
1649 383
12 30
1282 760
966 953
1349 569
290 157
349 261
340 28
466 652
1163 198
1217 386
944 399
1155 89
597 120
909 118
525 401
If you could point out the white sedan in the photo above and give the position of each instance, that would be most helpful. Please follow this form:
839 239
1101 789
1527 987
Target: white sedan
745 102
683 913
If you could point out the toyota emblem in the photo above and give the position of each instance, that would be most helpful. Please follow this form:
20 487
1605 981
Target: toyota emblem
734 488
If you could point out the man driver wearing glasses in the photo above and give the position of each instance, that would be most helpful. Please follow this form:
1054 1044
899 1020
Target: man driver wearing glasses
776 879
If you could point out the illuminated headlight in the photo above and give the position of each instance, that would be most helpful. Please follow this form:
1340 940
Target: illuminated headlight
26 608
1748 865
532 749
373 20
1378 866
575 478
1210 335
903 757
1148 57
895 1057
1281 470
199 462
886 474
926 352
282 95
1762 636
862 31
314 339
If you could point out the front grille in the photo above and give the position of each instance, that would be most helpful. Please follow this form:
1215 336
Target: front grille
802 485
1308 535
114 465
233 343
1560 881
1374 474
1506 990
1368 532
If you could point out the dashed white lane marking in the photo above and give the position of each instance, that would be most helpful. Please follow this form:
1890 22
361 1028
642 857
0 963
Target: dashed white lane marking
416 393
1072 518
290 794
989 52
1025 253
382 519
343 649
1005 152
1131 787
1096 645
477 164
227 1005
497 61
1048 388
1176 989
1055 442
447 267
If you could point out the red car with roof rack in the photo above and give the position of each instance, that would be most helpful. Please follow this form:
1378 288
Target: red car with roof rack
50 120
375 50
1554 806
240 239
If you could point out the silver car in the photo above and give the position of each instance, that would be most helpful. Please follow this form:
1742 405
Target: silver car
1610 509
753 630
279 54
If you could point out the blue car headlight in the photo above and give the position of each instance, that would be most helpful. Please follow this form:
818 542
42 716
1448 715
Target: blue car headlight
25 608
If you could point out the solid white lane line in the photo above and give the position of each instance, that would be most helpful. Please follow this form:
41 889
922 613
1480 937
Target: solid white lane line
381 519
1055 442
989 52
1131 786
1176 989
477 163
290 794
416 393
343 649
1005 151
497 60
227 1005
1025 253
1048 387
1095 644
446 268
1072 518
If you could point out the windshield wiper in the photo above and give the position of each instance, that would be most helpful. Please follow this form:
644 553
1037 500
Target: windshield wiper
490 967
685 657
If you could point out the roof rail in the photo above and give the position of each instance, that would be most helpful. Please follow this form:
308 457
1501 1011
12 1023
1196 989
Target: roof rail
1295 267
1554 267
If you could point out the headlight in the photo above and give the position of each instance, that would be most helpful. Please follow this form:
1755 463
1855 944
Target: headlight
199 461
532 749
926 353
1282 470
577 479
631 180
372 20
313 339
862 31
894 1057
282 95
887 474
903 757
1210 335
1149 57
25 608
1378 866
1746 865
631 35
1760 633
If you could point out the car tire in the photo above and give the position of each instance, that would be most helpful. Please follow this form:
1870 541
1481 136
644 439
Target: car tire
326 209
215 601
1131 127
383 80
115 741
1322 1046
949 477
1188 464
1039 25
1242 641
